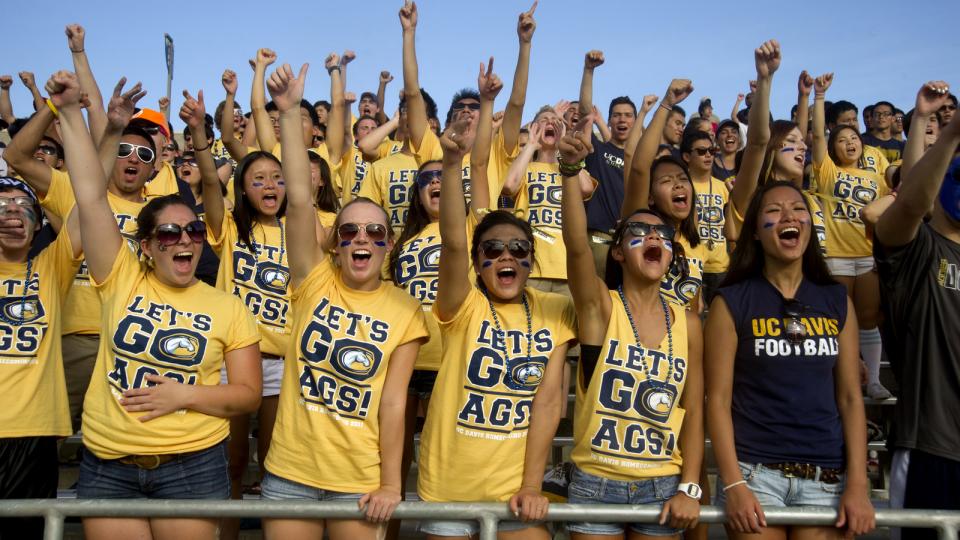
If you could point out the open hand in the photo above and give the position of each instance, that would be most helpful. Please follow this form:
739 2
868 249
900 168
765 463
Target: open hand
123 105
380 504
193 110
164 397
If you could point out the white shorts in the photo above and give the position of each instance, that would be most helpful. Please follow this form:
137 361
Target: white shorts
850 266
272 375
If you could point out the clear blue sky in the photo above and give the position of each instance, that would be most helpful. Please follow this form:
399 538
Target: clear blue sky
878 50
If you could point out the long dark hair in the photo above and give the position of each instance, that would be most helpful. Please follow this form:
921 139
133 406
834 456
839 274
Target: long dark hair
491 220
748 257
613 275
779 130
147 218
832 141
688 225
417 219
244 214
326 196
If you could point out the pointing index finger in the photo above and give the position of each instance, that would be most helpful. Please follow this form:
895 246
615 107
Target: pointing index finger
533 8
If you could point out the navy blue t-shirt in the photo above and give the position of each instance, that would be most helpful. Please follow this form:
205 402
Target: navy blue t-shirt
605 165
784 407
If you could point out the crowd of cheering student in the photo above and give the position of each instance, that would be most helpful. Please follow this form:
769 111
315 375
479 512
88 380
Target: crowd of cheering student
341 275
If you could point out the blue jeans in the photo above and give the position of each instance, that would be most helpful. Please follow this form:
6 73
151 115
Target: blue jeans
772 488
277 488
586 488
194 475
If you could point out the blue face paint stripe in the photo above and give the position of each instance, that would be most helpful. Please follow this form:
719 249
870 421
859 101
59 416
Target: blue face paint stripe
769 225
487 264
380 244
635 242
345 243
525 264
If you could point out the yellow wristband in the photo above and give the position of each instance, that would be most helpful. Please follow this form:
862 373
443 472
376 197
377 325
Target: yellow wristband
53 108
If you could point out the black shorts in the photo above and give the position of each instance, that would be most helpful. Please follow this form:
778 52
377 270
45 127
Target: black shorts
422 382
932 484
29 469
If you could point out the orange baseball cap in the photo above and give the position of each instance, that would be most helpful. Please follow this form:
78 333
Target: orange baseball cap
154 117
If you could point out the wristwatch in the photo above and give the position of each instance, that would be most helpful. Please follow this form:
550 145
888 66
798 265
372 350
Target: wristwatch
690 489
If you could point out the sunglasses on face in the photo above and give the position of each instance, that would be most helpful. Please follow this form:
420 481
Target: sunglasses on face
705 151
641 229
493 249
22 202
375 232
170 148
144 153
189 162
461 106
796 331
169 234
425 178
48 150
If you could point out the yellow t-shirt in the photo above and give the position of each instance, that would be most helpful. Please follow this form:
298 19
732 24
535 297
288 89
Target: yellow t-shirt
875 160
475 438
538 201
323 152
82 306
153 329
388 184
259 276
354 169
417 272
388 147
31 363
164 183
327 433
681 291
844 192
628 419
327 219
712 199
498 165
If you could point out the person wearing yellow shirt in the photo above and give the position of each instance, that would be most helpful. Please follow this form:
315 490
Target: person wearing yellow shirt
33 410
697 150
846 188
660 361
354 168
664 184
155 415
354 342
496 403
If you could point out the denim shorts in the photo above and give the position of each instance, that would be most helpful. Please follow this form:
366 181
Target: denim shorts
422 382
468 528
586 488
772 488
277 488
194 475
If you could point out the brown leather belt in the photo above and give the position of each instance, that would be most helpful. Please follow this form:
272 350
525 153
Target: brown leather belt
807 471
148 462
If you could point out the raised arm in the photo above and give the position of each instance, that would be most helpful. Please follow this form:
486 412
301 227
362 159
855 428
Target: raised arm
602 125
898 226
767 59
489 85
97 224
636 132
820 87
804 87
120 110
336 122
193 113
416 107
19 154
385 79
227 134
590 297
369 145
591 61
453 282
6 107
513 114
736 108
304 250
928 102
637 190
258 100
26 77
518 169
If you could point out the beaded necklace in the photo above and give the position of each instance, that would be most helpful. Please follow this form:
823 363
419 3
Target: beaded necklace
256 250
496 320
636 335
23 298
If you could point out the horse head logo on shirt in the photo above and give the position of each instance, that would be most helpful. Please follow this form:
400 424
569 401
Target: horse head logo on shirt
272 277
430 259
655 400
355 360
178 347
21 310
525 374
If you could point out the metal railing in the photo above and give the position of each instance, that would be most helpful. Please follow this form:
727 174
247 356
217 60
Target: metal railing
488 515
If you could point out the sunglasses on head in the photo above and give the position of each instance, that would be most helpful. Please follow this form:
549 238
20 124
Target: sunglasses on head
169 234
459 106
705 151
144 153
375 232
795 331
425 178
493 249
641 229
48 150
